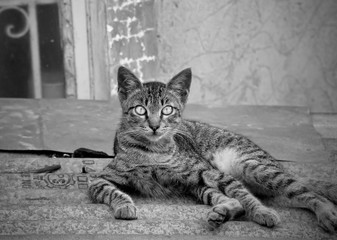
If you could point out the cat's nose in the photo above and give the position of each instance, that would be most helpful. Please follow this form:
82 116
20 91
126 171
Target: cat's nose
154 127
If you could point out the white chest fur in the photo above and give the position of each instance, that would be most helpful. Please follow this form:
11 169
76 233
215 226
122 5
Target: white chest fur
227 161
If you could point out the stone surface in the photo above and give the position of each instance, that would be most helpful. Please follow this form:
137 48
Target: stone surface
71 124
56 206
126 237
286 132
162 217
67 165
42 196
65 125
326 171
326 124
15 173
153 219
20 124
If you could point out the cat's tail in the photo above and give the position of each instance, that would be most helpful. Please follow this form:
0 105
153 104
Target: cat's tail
323 188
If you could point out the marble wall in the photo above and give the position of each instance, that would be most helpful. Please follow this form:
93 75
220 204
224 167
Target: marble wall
256 52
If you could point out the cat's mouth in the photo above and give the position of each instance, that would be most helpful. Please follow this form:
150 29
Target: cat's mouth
155 135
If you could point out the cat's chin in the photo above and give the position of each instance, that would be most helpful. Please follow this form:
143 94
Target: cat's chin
155 137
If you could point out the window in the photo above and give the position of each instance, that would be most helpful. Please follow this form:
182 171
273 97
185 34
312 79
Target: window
31 57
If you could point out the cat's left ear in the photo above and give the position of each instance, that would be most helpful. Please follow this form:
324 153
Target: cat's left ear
180 84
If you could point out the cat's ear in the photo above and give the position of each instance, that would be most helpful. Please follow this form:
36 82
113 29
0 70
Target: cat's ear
180 84
127 83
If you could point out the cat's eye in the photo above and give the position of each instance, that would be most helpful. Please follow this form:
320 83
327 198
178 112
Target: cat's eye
167 110
140 110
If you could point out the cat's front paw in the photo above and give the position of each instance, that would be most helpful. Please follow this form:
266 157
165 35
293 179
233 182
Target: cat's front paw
327 219
223 212
265 216
126 212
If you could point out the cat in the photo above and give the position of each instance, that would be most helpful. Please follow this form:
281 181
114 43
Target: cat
158 153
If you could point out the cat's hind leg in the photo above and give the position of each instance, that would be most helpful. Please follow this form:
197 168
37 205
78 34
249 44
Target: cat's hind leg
268 177
323 188
233 188
103 191
223 208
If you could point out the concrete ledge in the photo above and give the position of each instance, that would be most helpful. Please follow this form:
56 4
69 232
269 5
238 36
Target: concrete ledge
56 206
160 217
64 125
75 165
15 172
129 237
290 228
146 211
68 165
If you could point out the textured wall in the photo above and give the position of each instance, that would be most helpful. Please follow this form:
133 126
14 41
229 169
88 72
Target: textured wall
275 52
131 27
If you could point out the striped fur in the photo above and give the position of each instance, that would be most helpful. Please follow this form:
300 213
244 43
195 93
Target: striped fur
158 153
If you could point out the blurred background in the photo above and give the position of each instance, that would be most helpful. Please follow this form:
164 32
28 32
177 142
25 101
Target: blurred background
251 52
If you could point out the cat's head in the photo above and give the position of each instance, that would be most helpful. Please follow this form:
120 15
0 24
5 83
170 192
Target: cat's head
152 109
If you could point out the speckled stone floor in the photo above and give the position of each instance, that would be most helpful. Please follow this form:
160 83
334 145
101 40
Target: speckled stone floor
55 206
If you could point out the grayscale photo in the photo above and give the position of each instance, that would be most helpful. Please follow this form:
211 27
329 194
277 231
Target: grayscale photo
168 119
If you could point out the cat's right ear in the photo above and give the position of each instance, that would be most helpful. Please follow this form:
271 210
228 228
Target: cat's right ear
180 84
127 83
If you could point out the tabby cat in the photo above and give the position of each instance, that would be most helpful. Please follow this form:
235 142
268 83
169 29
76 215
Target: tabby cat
158 153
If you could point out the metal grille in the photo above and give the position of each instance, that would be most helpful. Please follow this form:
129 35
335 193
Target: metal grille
28 11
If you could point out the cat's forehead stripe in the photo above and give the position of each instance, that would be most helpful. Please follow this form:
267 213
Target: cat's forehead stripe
154 95
154 91
155 88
